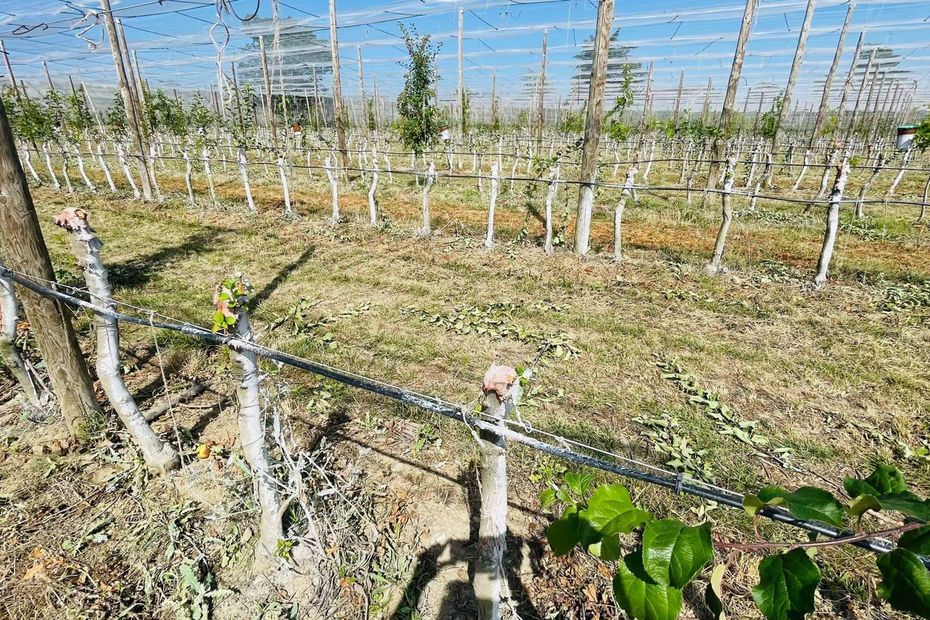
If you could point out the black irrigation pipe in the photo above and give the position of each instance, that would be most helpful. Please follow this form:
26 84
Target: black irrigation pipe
458 413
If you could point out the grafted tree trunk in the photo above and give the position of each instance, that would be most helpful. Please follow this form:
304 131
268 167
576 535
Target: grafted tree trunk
901 171
807 161
121 156
373 217
860 201
158 455
188 170
80 162
618 212
51 170
335 189
282 173
425 228
65 165
27 159
106 169
501 388
9 352
244 173
833 224
923 202
495 181
208 172
251 429
550 197
716 264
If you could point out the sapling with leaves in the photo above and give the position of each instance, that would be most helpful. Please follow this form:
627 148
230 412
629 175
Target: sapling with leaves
657 558
420 120
31 124
231 315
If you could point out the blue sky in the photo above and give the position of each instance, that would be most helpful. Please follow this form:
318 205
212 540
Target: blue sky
172 40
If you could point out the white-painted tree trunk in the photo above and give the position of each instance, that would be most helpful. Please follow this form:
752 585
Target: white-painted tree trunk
373 217
426 228
860 201
153 157
550 198
27 159
833 224
501 388
334 185
208 172
80 162
158 455
825 177
901 172
716 264
9 352
495 182
652 152
65 166
583 222
807 161
282 173
51 169
106 169
244 173
923 202
252 438
387 164
618 212
188 171
121 157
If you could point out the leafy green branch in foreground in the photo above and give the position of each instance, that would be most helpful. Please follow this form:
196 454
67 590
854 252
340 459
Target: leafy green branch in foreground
651 575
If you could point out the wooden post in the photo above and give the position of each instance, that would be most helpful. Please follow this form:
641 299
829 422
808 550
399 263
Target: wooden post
726 112
540 113
847 85
501 389
461 87
266 78
339 118
865 77
647 100
25 253
828 83
493 97
706 109
9 69
361 89
48 77
681 86
132 111
793 74
592 125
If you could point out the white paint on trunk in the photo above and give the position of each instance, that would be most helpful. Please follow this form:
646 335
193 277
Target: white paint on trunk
188 171
208 172
550 198
807 161
282 173
618 212
158 455
833 223
80 162
902 169
425 228
716 264
48 165
335 190
495 181
9 352
244 173
27 159
121 157
373 217
106 169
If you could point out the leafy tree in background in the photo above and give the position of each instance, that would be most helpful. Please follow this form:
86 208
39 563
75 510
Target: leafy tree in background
29 119
420 120
922 138
770 119
616 128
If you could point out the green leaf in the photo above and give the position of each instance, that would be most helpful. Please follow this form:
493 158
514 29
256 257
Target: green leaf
861 504
808 503
607 549
674 553
787 583
884 479
547 498
640 596
907 503
752 504
917 540
578 482
562 534
905 582
611 511
713 595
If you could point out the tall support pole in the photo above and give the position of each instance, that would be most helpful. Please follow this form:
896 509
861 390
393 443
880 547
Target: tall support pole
828 83
726 112
339 118
132 112
321 117
592 125
681 87
25 252
865 77
266 78
793 74
647 100
493 97
705 111
235 85
461 92
847 86
361 90
9 69
541 112
48 77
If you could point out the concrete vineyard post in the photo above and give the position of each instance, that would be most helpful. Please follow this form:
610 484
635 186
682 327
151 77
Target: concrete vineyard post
501 390
158 455
495 181
833 223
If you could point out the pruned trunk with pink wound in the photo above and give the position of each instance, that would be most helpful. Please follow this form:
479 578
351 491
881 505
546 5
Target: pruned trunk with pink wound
158 455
